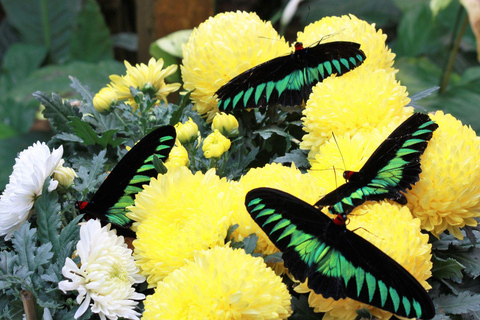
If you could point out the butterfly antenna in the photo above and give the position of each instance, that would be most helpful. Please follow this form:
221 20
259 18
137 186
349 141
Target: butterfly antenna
339 150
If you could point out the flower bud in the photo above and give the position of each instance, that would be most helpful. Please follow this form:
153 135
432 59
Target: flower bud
227 124
104 99
64 176
187 132
215 144
178 156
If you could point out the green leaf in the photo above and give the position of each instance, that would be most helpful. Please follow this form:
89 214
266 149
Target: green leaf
172 43
71 231
18 116
93 174
447 269
468 258
25 243
158 164
302 311
250 243
21 60
90 137
57 111
463 303
297 156
48 218
438 5
91 39
230 231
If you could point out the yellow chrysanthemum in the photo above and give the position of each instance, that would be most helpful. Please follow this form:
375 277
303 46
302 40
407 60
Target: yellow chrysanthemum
357 101
103 100
178 156
350 28
223 47
227 124
176 214
392 229
146 78
187 132
448 193
288 179
222 283
215 144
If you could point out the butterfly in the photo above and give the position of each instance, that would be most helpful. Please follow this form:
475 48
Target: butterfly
136 168
337 262
392 169
288 80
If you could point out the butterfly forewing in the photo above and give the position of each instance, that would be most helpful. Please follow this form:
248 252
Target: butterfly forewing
337 262
288 80
392 168
127 178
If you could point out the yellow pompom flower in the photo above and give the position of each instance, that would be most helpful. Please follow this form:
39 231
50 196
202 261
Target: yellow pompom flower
215 144
177 214
146 78
392 229
221 283
227 124
223 47
178 156
447 197
277 176
350 28
357 101
187 132
104 99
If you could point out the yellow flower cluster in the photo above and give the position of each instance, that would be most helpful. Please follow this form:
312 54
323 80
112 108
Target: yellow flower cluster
146 78
220 283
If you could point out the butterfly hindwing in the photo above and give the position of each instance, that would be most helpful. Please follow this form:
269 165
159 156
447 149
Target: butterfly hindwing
288 80
127 178
393 168
337 262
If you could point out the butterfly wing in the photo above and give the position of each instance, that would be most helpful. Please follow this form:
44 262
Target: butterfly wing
288 80
393 168
337 262
127 178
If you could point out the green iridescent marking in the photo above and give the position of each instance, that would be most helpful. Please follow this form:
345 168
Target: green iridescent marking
405 151
273 218
338 207
328 67
258 92
165 138
145 167
132 190
254 202
259 207
371 285
336 63
345 62
296 81
418 308
359 278
247 95
347 270
118 219
321 70
347 201
353 61
420 132
395 298
410 142
139 179
314 73
149 159
237 98
288 231
270 87
359 57
265 212
226 103
426 124
281 85
406 305
312 258
298 238
318 253
357 194
366 191
280 225
383 292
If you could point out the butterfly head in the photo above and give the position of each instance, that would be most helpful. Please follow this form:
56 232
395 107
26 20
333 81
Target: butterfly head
347 174
298 46
340 219
81 205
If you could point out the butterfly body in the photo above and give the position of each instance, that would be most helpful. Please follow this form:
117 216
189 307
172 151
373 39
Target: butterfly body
392 168
136 168
288 80
337 262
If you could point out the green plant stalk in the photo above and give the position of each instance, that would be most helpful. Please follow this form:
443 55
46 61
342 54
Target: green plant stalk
46 25
453 53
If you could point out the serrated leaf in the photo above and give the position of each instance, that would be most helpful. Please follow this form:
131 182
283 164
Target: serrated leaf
159 165
297 156
58 112
84 91
70 137
230 231
447 269
463 303
469 258
273 258
8 260
302 311
48 218
90 137
250 243
24 239
71 231
92 175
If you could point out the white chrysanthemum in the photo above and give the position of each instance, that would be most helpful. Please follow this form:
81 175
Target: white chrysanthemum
105 276
31 168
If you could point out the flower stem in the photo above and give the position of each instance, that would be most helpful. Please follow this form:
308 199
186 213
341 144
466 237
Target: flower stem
46 25
28 305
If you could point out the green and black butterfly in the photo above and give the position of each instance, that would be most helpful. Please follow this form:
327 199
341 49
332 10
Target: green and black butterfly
135 169
337 262
288 80
392 169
